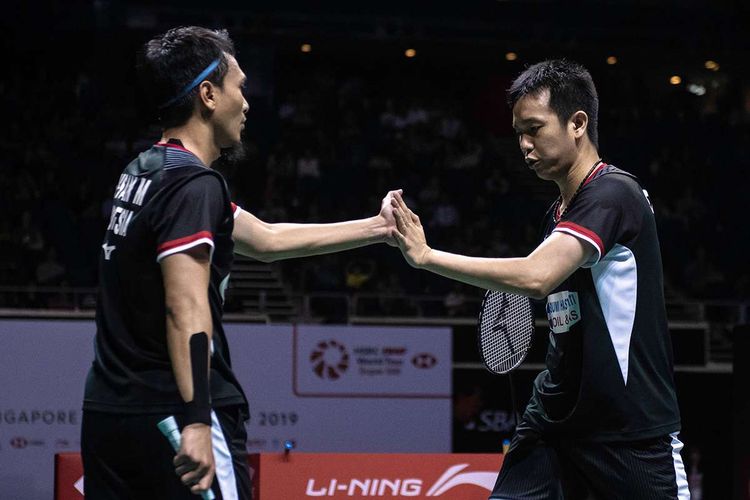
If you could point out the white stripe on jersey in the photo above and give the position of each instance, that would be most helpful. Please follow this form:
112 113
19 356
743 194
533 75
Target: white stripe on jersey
616 282
597 254
683 492
223 460
187 246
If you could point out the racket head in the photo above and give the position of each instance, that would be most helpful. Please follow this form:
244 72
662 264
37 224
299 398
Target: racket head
505 330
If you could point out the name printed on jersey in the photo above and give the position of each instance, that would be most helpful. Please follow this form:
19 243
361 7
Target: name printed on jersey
563 311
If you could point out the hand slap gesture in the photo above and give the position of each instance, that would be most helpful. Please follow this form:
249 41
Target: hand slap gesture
409 233
386 212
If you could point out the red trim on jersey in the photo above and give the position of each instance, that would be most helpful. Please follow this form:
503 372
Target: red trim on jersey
236 209
184 241
176 146
593 174
584 232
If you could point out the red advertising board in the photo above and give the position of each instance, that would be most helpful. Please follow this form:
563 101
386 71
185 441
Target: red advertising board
342 475
68 476
386 475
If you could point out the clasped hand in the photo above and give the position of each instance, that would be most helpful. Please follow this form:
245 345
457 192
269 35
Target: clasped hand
194 462
409 233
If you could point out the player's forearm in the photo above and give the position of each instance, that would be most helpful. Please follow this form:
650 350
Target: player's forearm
285 240
186 277
535 275
186 316
514 275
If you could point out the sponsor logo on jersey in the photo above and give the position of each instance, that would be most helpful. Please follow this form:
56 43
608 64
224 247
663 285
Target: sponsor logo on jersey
563 311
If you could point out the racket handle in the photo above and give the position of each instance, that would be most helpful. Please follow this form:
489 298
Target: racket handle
169 428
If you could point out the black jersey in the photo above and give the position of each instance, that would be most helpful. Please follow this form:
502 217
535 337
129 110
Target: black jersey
165 202
609 362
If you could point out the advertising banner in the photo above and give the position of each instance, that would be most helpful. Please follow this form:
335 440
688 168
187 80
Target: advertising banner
321 475
393 395
367 476
43 365
371 362
340 408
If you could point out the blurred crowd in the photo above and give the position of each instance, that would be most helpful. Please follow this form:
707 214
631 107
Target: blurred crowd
326 140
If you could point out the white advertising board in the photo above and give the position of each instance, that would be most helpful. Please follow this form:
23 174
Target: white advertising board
391 395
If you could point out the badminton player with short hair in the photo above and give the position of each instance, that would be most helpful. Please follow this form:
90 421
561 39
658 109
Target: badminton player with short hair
164 266
603 417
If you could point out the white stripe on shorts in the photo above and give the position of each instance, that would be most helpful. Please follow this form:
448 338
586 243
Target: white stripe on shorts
223 459
683 493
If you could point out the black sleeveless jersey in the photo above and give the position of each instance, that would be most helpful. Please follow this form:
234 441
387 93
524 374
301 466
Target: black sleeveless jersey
609 362
165 202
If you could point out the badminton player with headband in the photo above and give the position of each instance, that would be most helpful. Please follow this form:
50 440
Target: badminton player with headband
160 349
190 86
603 419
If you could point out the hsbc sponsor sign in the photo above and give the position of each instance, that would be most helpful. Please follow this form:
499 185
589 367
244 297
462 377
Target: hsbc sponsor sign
20 442
387 362
424 360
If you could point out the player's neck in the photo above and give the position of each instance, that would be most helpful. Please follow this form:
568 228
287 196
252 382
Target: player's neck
577 173
197 138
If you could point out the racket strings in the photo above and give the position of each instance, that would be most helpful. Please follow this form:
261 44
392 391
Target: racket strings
505 331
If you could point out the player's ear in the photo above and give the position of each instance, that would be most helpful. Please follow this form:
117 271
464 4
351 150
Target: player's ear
207 95
579 121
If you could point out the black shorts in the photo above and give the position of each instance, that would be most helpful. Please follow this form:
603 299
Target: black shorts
127 457
536 468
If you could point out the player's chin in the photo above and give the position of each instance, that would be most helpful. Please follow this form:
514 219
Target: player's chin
543 173
238 136
232 140
233 152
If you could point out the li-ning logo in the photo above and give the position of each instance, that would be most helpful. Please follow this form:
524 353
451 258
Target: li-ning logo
329 359
78 485
401 487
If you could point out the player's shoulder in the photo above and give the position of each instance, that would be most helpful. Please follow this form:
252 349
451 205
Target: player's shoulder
201 181
613 183
184 170
164 160
611 175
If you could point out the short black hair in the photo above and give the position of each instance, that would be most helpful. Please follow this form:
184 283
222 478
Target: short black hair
169 62
570 86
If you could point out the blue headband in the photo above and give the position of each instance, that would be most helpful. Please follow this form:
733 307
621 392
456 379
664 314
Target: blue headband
190 86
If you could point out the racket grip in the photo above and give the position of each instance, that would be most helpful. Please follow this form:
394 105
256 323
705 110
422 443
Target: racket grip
169 428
